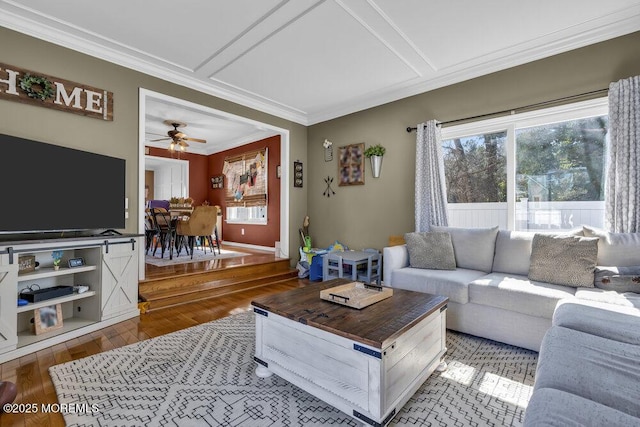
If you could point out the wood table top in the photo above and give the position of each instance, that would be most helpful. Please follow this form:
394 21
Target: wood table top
377 325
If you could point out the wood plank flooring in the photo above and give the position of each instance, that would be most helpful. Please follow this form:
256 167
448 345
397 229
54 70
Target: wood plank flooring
30 373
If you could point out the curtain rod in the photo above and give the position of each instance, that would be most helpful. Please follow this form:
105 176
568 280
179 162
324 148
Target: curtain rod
513 110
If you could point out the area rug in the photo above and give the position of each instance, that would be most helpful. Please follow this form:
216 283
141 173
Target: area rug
204 376
198 256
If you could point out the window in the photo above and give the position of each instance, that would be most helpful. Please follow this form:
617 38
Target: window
246 187
533 171
476 168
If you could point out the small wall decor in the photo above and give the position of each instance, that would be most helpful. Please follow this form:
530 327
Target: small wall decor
217 181
47 319
375 153
351 164
329 191
297 174
328 150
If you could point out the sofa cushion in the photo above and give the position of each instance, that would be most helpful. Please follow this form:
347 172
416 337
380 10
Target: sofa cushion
556 408
563 259
513 249
619 279
626 299
473 247
518 293
430 250
595 368
621 249
596 318
450 283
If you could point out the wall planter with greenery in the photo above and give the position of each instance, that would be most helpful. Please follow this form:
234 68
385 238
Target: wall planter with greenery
375 153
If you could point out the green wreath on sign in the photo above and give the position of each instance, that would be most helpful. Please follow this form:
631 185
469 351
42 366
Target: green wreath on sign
37 87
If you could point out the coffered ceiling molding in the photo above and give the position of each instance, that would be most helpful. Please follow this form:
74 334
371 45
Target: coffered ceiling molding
313 60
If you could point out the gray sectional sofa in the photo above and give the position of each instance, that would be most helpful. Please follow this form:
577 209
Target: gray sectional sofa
588 371
586 325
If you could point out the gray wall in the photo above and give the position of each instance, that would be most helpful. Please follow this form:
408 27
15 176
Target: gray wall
120 137
366 215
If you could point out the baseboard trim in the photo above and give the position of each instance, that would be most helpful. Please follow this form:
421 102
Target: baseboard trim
248 246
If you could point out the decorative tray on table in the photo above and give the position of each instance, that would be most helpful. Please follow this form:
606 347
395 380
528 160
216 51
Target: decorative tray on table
356 294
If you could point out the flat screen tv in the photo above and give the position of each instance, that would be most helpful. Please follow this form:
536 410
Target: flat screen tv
50 188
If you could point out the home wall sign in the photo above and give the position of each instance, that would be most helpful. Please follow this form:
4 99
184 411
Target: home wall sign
30 87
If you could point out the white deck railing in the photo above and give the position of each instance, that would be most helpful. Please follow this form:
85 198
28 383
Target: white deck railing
529 216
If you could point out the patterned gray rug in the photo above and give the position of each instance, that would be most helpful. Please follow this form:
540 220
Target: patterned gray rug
198 255
204 376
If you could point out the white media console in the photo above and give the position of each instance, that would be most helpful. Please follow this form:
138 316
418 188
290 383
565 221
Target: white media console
109 269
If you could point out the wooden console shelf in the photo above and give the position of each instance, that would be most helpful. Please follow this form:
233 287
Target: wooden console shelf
110 271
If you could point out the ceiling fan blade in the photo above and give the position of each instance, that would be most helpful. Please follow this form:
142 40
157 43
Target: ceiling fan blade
204 141
160 139
182 143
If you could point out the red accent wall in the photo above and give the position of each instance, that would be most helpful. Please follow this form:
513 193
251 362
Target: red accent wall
261 235
198 172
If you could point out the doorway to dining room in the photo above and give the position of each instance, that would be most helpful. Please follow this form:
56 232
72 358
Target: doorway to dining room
220 131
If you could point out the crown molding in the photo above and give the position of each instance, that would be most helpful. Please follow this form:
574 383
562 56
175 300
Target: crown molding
65 39
600 29
612 26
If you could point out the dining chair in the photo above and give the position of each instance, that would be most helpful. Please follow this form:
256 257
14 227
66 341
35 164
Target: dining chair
201 224
371 273
150 231
165 229
332 266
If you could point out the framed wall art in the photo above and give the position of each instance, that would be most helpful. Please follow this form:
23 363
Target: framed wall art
47 319
351 164
217 181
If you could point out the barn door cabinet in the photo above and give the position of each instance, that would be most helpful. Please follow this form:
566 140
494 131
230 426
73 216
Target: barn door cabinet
108 266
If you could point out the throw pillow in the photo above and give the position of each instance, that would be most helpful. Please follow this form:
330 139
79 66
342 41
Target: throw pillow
563 260
619 279
473 247
622 249
430 250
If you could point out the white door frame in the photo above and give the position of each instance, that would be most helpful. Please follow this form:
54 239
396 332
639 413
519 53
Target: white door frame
285 149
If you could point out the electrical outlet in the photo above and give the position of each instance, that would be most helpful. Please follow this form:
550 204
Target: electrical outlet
242 231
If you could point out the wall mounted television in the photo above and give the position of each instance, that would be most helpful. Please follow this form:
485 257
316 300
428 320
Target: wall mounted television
48 188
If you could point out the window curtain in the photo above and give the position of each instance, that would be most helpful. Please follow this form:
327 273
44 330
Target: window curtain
430 188
246 177
622 192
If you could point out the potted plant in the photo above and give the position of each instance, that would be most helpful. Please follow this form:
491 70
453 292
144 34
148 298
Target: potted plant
375 153
57 257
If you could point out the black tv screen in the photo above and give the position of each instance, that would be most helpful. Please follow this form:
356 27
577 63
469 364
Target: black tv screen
51 188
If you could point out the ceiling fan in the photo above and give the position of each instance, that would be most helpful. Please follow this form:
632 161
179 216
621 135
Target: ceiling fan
177 137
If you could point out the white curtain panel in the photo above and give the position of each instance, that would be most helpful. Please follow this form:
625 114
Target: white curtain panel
622 193
431 192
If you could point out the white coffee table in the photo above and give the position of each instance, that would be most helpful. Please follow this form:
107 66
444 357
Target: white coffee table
367 363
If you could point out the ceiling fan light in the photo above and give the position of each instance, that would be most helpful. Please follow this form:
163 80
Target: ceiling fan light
172 146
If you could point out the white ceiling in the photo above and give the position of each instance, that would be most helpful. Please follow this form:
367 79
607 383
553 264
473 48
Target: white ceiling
221 132
314 60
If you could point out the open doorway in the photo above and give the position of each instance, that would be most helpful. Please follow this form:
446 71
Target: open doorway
156 107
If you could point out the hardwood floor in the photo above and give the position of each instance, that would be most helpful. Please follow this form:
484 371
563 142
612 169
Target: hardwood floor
30 373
